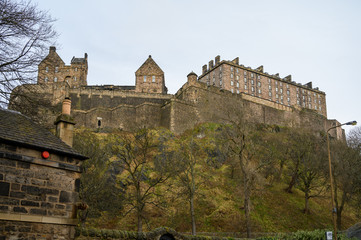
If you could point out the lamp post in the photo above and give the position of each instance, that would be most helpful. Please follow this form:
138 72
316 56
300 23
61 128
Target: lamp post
334 210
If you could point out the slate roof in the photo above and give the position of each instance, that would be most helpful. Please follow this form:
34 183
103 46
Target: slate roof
78 60
18 129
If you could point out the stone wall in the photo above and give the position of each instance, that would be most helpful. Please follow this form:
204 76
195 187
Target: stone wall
194 103
37 196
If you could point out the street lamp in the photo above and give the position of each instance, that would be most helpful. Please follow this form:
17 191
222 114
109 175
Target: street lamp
334 210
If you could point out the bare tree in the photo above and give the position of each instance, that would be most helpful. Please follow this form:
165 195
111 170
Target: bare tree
25 34
244 145
346 161
140 174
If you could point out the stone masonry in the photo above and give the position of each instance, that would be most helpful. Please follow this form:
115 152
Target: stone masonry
39 181
223 85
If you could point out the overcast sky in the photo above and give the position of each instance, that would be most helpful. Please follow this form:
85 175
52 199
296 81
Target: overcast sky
313 40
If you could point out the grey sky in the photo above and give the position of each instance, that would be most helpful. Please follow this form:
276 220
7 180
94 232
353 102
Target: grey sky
318 40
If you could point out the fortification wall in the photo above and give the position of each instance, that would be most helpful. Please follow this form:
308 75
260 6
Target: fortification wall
210 104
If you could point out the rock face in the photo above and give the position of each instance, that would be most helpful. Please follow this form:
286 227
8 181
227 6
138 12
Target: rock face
354 231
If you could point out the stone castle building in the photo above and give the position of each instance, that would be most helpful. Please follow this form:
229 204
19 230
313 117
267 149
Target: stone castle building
224 88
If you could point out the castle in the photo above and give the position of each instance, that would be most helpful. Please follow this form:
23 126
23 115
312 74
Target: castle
223 88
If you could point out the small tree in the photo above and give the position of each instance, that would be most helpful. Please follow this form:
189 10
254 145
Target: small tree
136 153
98 189
25 33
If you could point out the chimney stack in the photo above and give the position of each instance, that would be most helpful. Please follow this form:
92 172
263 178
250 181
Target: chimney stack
65 123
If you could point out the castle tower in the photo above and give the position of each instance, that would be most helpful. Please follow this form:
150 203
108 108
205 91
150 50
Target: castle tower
53 69
150 78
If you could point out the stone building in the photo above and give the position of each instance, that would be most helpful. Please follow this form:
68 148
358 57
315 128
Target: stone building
231 76
39 179
53 69
223 87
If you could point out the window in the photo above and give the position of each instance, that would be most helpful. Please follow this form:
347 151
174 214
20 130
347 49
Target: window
319 101
251 75
47 69
245 73
231 83
288 92
298 101
270 94
269 80
220 75
55 79
315 107
232 90
288 99
145 78
259 91
237 77
75 79
46 79
281 90
276 89
238 84
287 86
280 84
259 84
231 69
269 87
276 83
56 69
76 69
237 70
276 95
309 105
237 91
245 87
220 82
252 82
315 100
320 108
297 89
231 75
245 80
220 68
259 77
252 89
153 78
281 97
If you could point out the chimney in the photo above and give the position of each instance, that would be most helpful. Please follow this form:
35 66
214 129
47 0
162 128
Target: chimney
210 64
204 69
65 123
217 59
52 49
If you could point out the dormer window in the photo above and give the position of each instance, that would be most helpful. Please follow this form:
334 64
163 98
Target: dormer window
153 78
145 78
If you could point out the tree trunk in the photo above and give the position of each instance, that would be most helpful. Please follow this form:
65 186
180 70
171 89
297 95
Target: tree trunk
338 219
293 179
306 210
247 205
140 223
193 218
